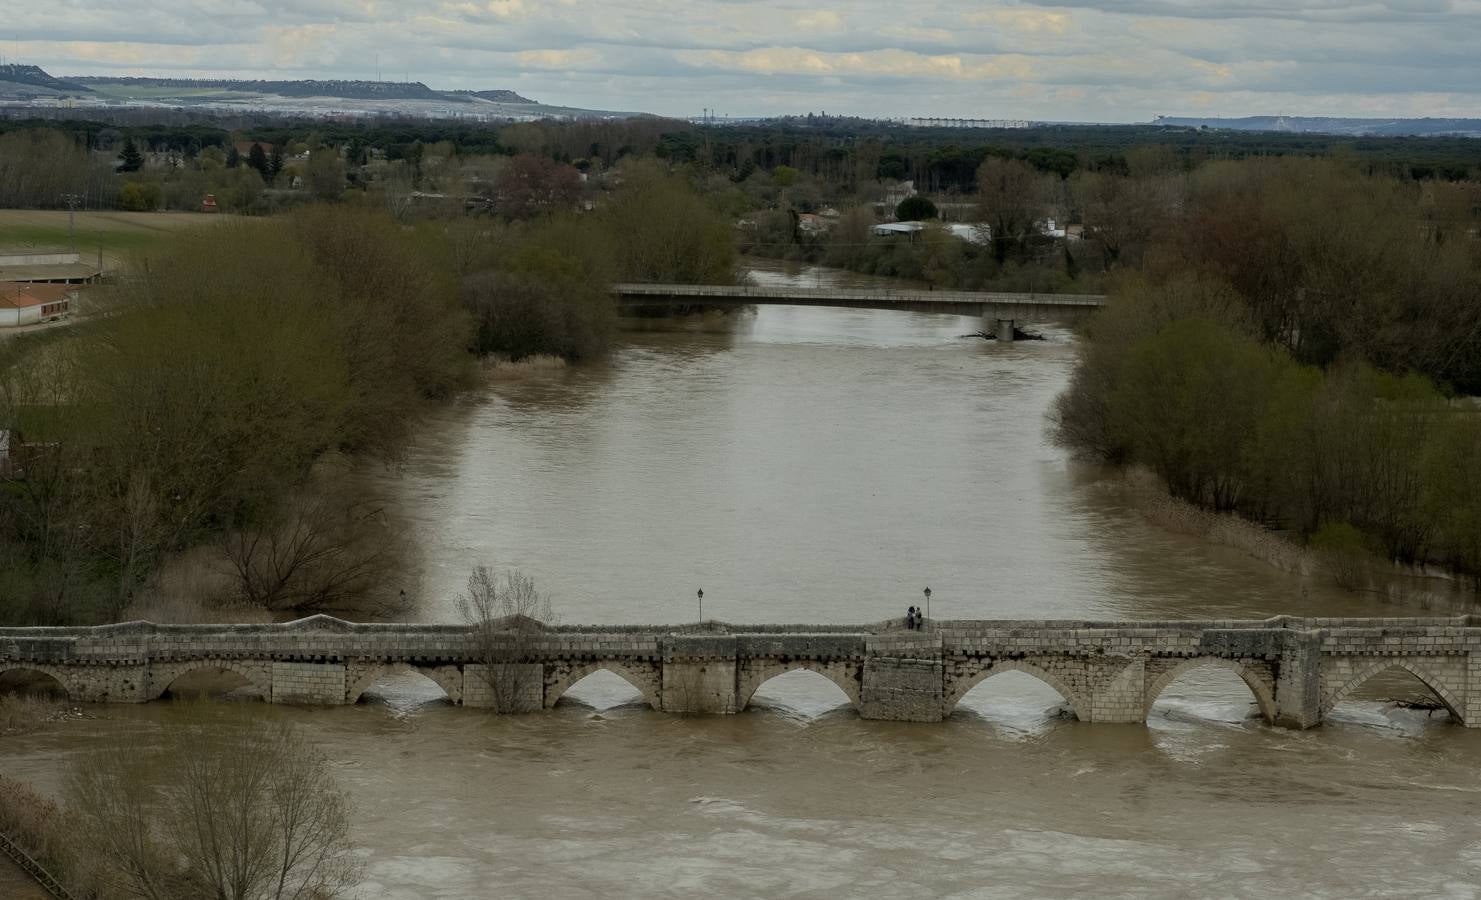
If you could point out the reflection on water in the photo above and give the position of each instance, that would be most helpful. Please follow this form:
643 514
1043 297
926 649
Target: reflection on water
800 798
812 465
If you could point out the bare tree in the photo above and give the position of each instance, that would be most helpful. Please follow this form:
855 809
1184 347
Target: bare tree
325 548
235 811
506 612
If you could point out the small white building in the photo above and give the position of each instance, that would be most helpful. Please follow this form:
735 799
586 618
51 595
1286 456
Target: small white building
23 303
972 234
890 229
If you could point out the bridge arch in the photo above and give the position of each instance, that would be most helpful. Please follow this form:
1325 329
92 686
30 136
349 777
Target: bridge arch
1430 680
45 671
553 692
164 678
449 678
961 688
830 671
1264 694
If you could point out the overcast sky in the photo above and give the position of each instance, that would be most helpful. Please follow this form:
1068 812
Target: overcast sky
1081 60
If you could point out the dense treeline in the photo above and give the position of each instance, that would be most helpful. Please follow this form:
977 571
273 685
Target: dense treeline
1291 349
540 286
844 157
219 407
197 413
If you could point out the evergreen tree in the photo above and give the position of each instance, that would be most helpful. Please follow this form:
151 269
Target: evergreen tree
257 159
275 163
131 159
233 158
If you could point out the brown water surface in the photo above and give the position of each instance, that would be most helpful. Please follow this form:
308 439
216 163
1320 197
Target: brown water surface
813 465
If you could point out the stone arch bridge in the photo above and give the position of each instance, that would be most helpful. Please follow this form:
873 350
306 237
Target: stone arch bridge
1296 668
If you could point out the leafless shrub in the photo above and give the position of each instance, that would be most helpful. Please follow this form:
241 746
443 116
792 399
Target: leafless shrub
505 612
33 822
231 810
325 548
20 713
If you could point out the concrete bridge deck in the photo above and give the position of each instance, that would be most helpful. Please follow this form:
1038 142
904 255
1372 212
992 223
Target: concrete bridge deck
991 307
1296 668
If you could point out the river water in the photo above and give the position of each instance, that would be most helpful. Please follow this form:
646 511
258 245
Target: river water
814 465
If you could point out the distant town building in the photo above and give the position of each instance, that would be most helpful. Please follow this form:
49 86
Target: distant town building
810 223
898 193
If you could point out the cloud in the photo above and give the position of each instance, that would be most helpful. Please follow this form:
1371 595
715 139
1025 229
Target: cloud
1116 60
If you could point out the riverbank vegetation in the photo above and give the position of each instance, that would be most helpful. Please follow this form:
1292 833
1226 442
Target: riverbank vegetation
213 415
1293 348
237 810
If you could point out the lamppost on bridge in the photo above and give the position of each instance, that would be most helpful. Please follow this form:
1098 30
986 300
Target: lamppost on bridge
700 594
927 592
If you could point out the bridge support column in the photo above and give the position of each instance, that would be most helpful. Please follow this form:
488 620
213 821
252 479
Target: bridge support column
1472 698
1298 686
902 689
699 687
1120 694
320 684
699 675
1004 331
504 687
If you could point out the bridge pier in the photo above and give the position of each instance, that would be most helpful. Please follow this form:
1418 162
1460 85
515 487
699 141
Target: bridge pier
699 675
902 689
1298 686
1004 330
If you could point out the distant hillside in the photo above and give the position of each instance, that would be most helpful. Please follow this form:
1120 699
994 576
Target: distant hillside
349 90
1325 125
497 96
33 76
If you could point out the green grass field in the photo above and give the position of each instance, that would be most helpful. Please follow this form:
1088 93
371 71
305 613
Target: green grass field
118 234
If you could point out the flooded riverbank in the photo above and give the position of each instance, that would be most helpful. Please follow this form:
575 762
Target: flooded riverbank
816 465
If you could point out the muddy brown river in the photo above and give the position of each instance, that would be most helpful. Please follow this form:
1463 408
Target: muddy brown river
815 465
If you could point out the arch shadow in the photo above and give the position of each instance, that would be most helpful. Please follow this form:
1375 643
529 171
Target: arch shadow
30 679
1435 686
960 690
453 692
265 691
555 692
1264 698
849 687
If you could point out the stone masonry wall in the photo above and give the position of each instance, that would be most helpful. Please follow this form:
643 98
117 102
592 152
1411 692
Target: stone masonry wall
1108 671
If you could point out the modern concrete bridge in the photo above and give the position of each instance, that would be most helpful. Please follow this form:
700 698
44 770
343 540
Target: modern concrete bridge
998 311
1296 668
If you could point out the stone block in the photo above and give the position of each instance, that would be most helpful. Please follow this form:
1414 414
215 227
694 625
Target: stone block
704 687
505 687
321 684
902 689
1121 698
1298 681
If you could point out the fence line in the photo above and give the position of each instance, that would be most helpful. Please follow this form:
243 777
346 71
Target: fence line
33 868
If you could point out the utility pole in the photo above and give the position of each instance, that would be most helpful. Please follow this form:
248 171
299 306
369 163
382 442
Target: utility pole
72 200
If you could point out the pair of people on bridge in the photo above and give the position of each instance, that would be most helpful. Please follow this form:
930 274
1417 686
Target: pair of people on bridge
915 619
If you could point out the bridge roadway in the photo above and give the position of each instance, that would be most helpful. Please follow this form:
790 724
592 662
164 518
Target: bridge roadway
998 311
1296 668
